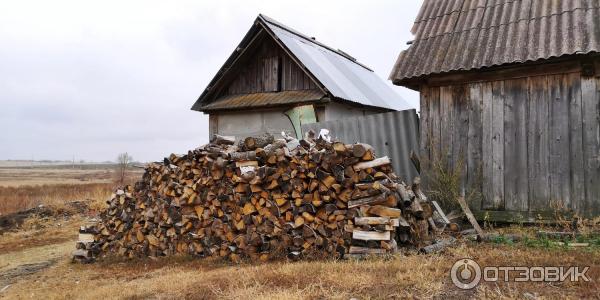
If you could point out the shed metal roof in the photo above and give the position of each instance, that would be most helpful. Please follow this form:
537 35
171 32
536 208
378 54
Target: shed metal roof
337 72
452 35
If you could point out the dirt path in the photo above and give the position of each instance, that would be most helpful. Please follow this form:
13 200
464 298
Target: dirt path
17 264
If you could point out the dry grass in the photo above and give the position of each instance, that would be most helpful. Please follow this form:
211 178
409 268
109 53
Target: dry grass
13 199
402 276
15 177
25 188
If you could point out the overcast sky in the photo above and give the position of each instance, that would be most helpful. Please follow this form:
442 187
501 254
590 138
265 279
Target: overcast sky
92 79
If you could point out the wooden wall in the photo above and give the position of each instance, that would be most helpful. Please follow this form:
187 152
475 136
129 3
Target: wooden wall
524 145
268 69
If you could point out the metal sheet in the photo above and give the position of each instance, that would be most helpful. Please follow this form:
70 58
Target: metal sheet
341 74
393 134
454 35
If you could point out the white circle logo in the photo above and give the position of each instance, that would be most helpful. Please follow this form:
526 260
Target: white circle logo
465 274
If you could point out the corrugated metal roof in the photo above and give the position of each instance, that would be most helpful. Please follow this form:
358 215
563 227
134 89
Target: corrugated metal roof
263 99
335 71
341 74
470 34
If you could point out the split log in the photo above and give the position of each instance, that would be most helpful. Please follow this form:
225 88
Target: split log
383 211
222 139
382 161
370 235
367 200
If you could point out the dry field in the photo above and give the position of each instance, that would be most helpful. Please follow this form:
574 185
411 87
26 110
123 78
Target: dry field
23 187
35 263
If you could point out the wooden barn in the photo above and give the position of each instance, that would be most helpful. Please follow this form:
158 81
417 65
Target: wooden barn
509 94
277 79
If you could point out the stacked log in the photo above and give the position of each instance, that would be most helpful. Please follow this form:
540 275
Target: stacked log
263 198
86 248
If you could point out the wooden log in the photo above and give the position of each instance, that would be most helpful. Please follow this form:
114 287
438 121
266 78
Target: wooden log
359 150
376 221
370 235
222 139
365 250
417 209
260 141
367 200
437 247
383 211
404 195
243 156
382 161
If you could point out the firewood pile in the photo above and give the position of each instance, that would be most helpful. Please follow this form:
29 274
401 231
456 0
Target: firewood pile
264 198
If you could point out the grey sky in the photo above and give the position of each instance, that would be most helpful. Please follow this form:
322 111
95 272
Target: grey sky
93 79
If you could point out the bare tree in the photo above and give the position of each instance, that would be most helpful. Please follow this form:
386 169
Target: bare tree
124 161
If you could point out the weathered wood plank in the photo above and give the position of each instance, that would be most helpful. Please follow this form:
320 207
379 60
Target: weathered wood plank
498 144
425 130
434 118
590 96
576 141
515 145
446 126
486 144
460 114
474 163
559 143
538 143
469 215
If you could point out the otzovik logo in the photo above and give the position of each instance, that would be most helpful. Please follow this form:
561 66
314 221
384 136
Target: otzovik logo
465 274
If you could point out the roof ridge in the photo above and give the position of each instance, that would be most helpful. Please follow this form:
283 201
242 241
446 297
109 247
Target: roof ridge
314 41
503 24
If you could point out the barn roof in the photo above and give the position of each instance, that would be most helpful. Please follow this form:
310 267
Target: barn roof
337 73
452 35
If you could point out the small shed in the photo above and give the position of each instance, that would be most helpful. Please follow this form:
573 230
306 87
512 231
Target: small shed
277 79
509 95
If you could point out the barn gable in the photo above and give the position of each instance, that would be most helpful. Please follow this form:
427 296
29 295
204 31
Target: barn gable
268 69
273 58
